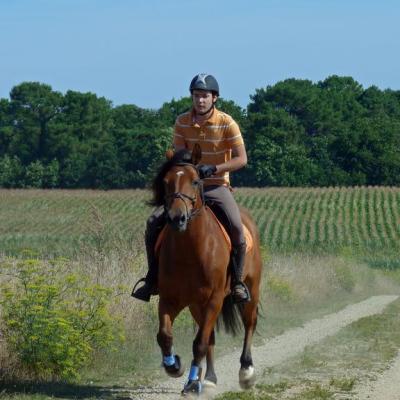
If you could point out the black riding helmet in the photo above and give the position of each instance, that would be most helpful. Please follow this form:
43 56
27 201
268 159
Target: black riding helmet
204 82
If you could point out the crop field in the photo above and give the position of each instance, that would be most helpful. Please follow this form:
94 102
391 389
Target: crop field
361 217
64 223
318 245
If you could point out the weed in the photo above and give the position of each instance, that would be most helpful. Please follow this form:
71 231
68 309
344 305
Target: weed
280 289
316 392
344 276
310 359
279 387
343 384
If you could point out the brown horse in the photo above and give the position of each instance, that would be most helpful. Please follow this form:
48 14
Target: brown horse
194 260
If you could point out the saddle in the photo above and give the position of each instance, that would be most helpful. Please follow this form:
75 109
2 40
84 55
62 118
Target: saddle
246 232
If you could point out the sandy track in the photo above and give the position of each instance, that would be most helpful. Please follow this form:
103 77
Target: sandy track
386 387
274 351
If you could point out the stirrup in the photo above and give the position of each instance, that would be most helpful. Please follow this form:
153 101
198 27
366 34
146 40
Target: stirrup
143 293
244 295
137 283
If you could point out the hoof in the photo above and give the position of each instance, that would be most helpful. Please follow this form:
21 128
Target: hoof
210 380
247 377
192 387
176 370
209 384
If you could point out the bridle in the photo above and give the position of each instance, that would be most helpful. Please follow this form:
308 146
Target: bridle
182 196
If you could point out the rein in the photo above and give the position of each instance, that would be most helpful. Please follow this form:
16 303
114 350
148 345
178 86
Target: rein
179 195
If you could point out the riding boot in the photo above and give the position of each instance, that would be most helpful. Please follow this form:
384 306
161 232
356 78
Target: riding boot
240 292
150 281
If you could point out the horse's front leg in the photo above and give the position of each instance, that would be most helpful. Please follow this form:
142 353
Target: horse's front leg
206 319
171 362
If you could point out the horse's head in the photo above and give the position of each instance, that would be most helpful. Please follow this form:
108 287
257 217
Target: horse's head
183 188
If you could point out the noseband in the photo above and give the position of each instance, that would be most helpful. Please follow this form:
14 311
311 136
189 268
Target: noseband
179 195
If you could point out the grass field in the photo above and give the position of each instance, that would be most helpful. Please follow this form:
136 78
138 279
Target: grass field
318 245
323 219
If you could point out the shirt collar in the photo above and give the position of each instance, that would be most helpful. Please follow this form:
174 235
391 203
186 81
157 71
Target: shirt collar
210 121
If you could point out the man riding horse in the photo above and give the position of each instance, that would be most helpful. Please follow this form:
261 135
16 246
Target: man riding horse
223 151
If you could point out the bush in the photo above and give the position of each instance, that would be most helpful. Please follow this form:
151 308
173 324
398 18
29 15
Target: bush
54 319
10 172
34 175
280 289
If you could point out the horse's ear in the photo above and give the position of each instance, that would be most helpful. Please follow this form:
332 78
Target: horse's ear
169 154
196 154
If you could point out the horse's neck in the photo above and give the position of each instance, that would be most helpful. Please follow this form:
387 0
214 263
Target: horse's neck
197 227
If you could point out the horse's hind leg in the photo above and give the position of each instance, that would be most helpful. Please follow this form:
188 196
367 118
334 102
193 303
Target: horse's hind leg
171 362
246 372
210 378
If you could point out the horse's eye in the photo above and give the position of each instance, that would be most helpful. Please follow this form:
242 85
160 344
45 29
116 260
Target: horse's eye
196 183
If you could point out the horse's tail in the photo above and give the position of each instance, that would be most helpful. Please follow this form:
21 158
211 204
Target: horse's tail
230 316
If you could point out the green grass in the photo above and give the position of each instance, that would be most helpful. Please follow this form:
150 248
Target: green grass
336 365
322 249
43 391
312 391
343 384
65 222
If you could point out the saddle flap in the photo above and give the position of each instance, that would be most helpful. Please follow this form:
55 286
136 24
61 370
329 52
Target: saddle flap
246 232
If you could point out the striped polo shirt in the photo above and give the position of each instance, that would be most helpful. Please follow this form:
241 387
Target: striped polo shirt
217 137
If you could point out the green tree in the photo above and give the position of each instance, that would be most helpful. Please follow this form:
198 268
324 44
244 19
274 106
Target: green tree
333 132
6 127
275 142
11 172
85 122
169 111
32 106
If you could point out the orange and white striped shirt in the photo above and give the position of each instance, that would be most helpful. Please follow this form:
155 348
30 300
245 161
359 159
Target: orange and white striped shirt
217 137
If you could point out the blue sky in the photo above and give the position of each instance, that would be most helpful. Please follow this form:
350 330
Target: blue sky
146 52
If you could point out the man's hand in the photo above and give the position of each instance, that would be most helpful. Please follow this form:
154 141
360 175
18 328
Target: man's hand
205 170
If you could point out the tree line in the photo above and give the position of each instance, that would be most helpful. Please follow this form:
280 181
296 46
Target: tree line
297 133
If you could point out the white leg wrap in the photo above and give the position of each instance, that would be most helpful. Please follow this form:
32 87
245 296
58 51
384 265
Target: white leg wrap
247 377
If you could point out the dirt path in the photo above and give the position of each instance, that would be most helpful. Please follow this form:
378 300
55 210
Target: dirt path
386 387
276 351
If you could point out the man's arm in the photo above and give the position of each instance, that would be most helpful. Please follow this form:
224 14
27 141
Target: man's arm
239 160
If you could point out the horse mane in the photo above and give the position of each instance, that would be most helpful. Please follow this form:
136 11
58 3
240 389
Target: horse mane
181 156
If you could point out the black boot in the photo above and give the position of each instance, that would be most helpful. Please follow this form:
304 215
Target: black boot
150 281
240 292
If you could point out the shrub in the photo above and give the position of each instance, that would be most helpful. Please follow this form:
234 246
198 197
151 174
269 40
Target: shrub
11 171
34 175
54 318
280 289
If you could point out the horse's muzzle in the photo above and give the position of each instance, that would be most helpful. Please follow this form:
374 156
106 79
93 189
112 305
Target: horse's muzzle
178 222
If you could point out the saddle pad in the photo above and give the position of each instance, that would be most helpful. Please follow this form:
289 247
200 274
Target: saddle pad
246 232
